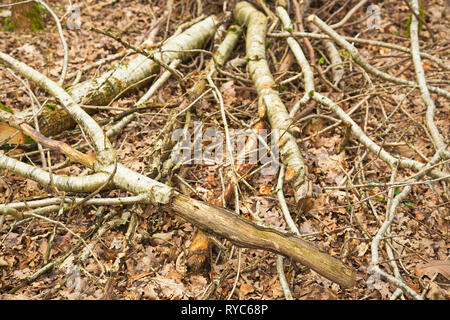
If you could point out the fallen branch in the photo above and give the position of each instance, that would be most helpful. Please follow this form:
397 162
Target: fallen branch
363 63
383 44
420 76
101 90
374 265
244 233
356 129
269 102
214 220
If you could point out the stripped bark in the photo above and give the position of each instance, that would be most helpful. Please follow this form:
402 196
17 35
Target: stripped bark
269 102
420 76
217 221
101 90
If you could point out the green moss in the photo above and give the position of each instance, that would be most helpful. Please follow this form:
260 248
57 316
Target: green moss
5 108
28 140
6 24
51 106
409 204
35 16
408 23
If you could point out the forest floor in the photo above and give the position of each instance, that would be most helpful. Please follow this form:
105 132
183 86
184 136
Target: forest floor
345 214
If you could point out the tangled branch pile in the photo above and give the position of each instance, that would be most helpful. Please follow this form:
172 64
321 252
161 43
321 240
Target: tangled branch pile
354 191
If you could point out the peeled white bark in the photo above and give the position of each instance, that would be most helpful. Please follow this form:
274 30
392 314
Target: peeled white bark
269 99
63 183
103 89
363 63
420 76
108 85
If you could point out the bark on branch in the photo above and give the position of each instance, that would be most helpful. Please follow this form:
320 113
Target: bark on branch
217 221
270 104
224 223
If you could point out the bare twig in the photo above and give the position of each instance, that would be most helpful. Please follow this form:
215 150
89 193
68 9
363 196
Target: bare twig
363 63
420 76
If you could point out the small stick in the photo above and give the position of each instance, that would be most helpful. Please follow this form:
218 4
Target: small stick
148 54
420 76
363 63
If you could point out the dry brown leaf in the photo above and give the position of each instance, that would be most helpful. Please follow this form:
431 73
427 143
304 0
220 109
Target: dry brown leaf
265 189
162 237
331 165
362 248
419 215
307 227
244 290
228 92
170 288
12 239
429 269
32 185
289 175
15 136
3 262
277 290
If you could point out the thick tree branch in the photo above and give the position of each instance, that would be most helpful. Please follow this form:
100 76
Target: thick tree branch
269 103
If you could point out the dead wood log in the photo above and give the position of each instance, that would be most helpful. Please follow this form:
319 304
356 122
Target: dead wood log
243 233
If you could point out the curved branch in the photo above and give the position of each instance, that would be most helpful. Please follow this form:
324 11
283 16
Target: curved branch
363 63
64 183
88 124
420 76
269 103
